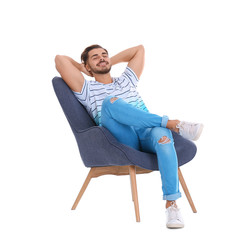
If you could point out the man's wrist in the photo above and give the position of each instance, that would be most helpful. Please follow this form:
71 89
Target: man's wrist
112 61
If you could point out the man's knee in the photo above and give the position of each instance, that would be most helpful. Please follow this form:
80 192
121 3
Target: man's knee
164 140
113 99
162 135
109 100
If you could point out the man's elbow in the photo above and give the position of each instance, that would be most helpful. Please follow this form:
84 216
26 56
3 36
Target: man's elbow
57 59
141 47
141 50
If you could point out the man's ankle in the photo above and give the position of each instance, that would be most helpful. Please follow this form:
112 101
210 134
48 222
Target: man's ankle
172 125
170 203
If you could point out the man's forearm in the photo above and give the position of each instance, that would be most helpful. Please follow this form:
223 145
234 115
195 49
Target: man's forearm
126 55
61 59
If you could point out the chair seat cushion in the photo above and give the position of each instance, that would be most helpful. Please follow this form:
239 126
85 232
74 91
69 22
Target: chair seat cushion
98 147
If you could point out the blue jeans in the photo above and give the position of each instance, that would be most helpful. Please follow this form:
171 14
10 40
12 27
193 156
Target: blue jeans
146 132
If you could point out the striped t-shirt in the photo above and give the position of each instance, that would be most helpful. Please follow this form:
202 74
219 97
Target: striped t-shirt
93 93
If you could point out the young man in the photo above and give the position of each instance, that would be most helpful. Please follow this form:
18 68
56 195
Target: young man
115 104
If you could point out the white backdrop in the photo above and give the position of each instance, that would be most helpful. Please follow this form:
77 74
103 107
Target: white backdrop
199 51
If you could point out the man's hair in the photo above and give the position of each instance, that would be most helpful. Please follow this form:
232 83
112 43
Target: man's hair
84 55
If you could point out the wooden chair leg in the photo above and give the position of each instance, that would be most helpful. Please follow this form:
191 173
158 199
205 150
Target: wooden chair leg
85 184
132 171
131 188
183 184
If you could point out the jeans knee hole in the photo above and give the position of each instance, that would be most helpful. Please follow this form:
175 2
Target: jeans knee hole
164 140
113 99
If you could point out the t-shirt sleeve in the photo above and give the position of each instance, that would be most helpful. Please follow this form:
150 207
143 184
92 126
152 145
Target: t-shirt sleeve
83 96
130 75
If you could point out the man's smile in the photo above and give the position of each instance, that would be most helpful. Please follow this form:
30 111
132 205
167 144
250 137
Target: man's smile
102 64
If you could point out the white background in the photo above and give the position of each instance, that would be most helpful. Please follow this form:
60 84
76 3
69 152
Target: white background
198 68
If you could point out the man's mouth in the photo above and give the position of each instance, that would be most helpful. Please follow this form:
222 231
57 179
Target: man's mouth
102 64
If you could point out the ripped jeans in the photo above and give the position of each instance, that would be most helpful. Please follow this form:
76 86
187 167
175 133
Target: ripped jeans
147 132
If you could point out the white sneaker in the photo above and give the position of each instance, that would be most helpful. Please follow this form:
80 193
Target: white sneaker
173 217
191 131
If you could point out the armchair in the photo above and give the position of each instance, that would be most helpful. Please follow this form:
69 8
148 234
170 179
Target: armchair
101 152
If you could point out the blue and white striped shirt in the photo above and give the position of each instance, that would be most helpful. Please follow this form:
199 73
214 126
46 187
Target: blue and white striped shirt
93 93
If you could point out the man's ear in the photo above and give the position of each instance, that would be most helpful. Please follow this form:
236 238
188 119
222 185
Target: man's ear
89 69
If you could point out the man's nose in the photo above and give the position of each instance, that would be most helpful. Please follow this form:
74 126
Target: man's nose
101 58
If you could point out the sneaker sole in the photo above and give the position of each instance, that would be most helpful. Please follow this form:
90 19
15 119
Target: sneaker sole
173 226
199 132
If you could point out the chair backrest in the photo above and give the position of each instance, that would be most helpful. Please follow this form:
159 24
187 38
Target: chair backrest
75 112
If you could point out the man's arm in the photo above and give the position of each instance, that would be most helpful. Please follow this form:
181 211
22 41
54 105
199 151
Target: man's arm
134 56
70 71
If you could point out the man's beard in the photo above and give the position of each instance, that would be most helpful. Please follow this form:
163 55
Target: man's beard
103 71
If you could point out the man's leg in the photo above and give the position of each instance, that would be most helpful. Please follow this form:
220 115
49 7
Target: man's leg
125 113
117 114
123 133
160 141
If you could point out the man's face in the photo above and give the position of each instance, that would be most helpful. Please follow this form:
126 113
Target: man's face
98 61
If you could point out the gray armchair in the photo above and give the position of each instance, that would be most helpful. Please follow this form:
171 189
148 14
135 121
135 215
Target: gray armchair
101 152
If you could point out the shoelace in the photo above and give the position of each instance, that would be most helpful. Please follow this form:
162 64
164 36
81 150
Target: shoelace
182 124
174 206
174 211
